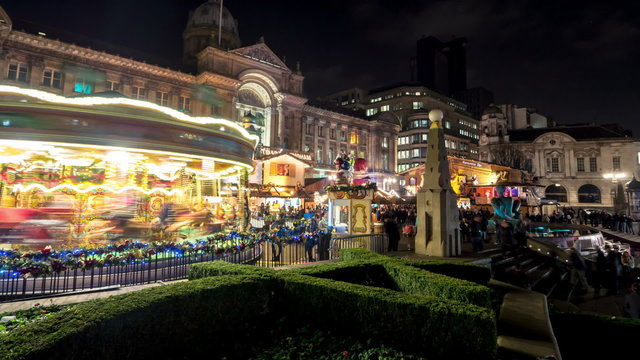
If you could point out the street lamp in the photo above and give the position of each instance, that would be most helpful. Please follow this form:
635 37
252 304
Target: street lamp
618 204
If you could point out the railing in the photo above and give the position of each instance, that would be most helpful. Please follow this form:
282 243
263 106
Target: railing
377 243
158 267
174 266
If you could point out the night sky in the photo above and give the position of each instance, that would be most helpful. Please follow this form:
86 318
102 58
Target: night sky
576 61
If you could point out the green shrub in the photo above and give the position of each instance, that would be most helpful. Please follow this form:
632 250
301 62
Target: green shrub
467 271
574 332
157 323
360 254
307 343
416 281
420 324
457 269
217 268
361 272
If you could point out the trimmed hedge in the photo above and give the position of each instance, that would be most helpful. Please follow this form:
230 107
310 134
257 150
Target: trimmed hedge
466 271
219 267
575 333
416 281
157 323
361 272
424 324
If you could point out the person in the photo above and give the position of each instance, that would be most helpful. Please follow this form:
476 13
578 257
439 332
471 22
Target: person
578 269
632 302
464 230
521 228
505 234
476 234
601 270
614 269
393 233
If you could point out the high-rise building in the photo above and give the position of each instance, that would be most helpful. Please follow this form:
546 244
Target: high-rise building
476 98
411 103
441 66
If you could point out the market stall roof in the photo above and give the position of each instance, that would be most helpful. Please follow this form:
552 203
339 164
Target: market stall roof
505 184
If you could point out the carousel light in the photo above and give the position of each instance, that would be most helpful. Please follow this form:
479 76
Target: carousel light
78 188
96 100
50 145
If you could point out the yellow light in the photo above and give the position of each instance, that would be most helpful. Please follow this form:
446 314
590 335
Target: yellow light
95 100
78 188
24 144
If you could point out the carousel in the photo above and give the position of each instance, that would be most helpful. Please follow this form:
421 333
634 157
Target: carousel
89 170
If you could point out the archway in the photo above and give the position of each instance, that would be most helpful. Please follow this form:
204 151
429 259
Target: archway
253 98
589 193
556 192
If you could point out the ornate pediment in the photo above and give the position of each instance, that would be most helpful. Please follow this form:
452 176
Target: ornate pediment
261 53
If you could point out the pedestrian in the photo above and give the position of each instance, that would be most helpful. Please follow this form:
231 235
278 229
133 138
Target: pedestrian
476 234
614 269
578 270
504 232
599 279
632 302
393 233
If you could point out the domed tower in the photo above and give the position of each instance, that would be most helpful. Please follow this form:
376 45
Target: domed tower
204 29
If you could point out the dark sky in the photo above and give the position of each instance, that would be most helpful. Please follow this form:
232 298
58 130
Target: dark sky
577 61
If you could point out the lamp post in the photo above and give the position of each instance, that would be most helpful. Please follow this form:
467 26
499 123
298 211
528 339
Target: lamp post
618 202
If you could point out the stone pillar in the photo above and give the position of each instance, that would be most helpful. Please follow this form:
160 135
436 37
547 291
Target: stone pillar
438 232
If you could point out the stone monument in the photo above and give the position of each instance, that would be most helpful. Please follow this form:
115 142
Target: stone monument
438 231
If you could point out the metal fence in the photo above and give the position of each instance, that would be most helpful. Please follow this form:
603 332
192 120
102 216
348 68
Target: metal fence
377 243
172 266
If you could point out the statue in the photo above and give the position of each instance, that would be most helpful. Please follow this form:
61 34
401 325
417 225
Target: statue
504 206
344 166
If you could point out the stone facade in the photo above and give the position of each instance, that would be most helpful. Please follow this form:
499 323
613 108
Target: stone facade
227 83
579 165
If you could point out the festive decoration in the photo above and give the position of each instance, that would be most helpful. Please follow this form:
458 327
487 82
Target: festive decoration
48 261
344 166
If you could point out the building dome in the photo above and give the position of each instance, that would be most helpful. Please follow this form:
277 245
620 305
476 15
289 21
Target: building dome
203 30
492 109
633 185
208 14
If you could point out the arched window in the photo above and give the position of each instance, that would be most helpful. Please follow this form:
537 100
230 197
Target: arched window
589 193
556 192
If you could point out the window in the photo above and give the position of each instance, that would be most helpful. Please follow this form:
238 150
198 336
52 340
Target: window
52 78
424 137
417 105
372 111
415 153
343 135
162 98
556 192
138 93
112 86
555 165
332 134
321 131
397 106
580 164
83 85
353 139
319 153
384 108
385 142
588 193
385 161
331 156
308 129
447 124
616 163
403 140
184 104
593 164
18 71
